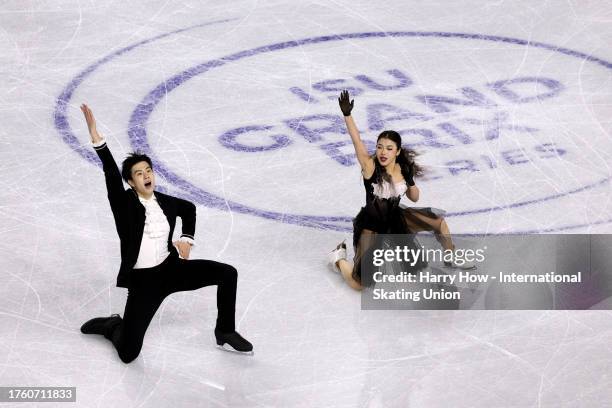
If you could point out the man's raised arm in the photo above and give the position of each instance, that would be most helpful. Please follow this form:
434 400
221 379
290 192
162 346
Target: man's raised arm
114 184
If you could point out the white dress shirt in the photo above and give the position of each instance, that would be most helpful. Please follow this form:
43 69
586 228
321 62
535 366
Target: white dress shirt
154 244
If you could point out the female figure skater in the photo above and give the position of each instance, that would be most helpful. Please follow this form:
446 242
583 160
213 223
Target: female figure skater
388 176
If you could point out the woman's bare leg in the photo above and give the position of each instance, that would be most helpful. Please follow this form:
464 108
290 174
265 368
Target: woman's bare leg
346 270
443 236
417 222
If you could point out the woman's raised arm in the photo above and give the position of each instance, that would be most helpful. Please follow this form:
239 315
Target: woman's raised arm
363 157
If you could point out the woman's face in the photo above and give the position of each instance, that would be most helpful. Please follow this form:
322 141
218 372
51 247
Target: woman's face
386 151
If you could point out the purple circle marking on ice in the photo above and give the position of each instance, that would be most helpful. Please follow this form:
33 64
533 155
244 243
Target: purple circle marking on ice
142 112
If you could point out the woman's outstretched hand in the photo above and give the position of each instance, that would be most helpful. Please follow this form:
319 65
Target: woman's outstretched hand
345 105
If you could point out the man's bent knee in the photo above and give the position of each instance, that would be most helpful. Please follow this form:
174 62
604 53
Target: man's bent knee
128 357
231 272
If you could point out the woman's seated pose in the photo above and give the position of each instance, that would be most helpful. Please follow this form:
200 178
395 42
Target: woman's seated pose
388 177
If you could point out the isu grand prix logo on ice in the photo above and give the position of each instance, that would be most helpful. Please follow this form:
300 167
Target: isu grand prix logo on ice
490 115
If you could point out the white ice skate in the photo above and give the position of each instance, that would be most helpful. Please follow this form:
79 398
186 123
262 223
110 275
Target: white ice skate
336 255
466 266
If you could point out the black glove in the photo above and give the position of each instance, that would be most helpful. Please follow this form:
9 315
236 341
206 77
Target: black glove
410 179
345 105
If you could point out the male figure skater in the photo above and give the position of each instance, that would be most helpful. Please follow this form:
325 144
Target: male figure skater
150 265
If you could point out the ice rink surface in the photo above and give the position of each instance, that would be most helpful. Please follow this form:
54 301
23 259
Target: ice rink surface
510 104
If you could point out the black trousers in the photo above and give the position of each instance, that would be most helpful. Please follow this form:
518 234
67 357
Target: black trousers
150 287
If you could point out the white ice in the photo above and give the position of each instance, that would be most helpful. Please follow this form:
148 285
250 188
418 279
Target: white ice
546 170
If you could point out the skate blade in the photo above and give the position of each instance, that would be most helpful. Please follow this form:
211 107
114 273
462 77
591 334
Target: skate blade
230 349
471 268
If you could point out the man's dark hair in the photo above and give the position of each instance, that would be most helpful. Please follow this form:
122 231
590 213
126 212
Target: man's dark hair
131 160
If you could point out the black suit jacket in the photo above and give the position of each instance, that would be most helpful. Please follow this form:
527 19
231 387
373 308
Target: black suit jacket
129 215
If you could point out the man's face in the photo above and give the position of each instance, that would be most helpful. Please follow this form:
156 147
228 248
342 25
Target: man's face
143 179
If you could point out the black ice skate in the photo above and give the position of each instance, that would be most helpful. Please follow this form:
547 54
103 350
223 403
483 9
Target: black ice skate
233 342
101 325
